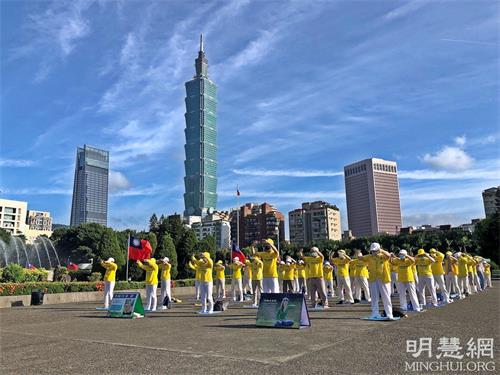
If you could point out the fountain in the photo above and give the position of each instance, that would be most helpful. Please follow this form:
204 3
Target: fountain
16 249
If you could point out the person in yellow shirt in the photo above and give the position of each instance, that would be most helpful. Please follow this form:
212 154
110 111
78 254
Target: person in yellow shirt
328 277
406 281
451 274
394 277
269 259
165 293
471 266
247 277
109 280
197 274
301 269
314 266
151 268
257 266
288 275
205 265
425 279
463 273
360 277
487 273
379 279
220 279
438 274
343 281
479 273
236 283
281 273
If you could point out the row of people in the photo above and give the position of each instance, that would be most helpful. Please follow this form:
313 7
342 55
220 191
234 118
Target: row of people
368 275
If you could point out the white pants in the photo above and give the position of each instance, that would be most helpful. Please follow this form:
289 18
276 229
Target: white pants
452 284
296 288
280 286
384 290
270 285
151 297
361 284
423 283
394 282
329 287
257 290
415 276
487 280
247 284
472 283
439 281
237 287
412 293
344 286
197 290
109 286
165 291
463 285
206 296
220 288
477 281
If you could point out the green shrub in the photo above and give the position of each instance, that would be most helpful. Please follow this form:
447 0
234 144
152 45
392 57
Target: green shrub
80 275
95 276
13 273
60 273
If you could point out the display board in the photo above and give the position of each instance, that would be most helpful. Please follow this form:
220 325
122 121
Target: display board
283 310
126 305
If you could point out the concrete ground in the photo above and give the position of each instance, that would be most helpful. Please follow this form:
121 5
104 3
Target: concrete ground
77 339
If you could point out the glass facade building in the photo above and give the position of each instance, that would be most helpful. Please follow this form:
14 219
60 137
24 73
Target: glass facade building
90 189
200 166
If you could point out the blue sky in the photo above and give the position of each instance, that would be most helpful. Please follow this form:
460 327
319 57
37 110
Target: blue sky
304 88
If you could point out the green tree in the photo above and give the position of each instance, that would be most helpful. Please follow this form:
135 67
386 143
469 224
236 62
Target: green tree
176 229
207 244
185 250
486 234
154 224
5 236
166 248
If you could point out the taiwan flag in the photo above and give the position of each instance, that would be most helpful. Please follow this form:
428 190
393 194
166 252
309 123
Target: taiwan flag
236 252
139 249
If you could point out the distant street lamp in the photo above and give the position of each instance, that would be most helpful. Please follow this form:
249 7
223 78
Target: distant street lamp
277 233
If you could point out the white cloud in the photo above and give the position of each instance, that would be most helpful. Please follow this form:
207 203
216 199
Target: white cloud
53 34
468 41
284 194
16 163
449 158
460 141
287 172
117 182
473 174
404 10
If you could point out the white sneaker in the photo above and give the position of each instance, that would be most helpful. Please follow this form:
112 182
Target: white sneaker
164 307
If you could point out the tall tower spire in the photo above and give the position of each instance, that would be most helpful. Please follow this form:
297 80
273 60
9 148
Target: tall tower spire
201 63
200 181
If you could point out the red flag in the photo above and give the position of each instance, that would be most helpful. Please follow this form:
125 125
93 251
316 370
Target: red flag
139 249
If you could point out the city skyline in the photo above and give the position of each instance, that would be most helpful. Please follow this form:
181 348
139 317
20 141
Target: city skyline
286 102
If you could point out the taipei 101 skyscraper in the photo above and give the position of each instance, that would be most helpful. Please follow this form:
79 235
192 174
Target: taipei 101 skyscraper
200 181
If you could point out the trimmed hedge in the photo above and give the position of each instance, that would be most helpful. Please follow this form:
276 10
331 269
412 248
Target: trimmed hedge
17 289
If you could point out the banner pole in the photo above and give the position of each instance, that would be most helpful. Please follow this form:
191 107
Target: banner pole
128 249
238 216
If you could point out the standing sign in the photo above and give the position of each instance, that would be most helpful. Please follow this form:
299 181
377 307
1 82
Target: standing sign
283 310
126 305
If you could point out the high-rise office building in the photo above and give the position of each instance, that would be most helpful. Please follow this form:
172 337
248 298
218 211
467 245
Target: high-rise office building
314 222
372 194
257 222
200 166
90 188
491 200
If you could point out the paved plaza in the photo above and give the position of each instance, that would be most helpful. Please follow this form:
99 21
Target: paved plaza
78 339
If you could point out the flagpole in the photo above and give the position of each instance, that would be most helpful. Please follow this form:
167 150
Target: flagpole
238 216
128 249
